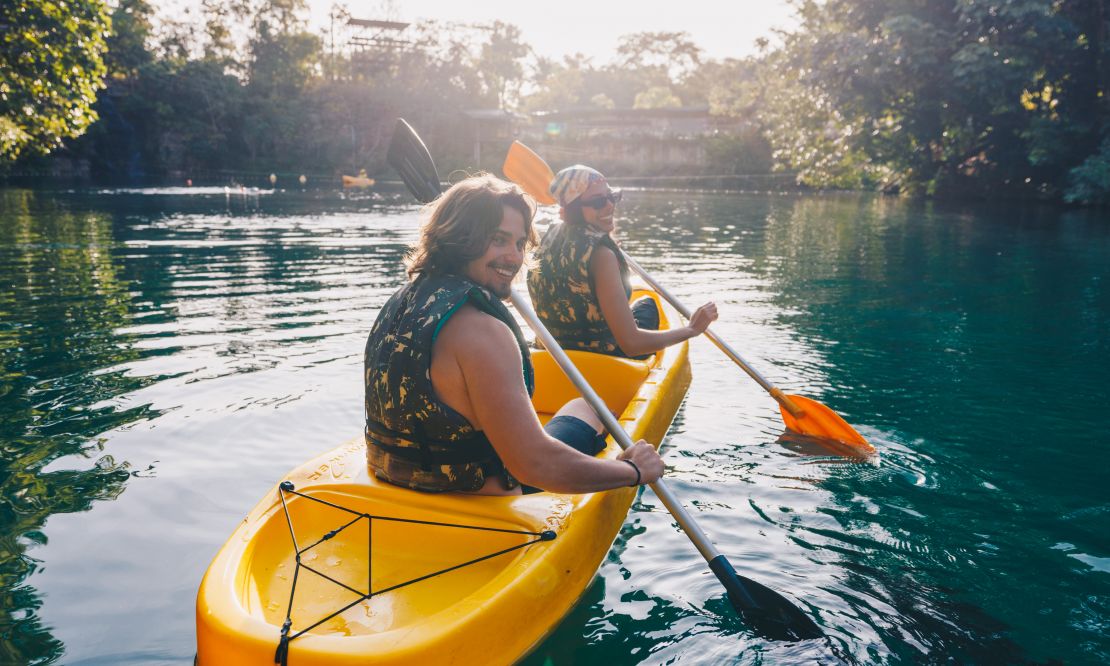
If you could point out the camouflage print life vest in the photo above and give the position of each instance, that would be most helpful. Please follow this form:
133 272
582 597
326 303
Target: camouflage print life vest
414 439
562 288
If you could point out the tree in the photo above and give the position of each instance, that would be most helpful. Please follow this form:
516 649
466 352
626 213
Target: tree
127 43
284 58
1089 183
673 54
52 57
657 97
558 85
499 63
948 96
221 19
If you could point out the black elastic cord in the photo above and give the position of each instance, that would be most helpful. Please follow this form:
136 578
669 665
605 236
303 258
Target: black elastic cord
281 656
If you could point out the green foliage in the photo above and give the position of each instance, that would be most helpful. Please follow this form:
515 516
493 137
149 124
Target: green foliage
1089 183
810 136
652 70
941 96
500 63
672 55
283 56
127 51
933 97
742 153
657 97
51 65
729 87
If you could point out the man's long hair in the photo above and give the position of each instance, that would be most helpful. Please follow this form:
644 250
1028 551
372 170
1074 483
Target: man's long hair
460 224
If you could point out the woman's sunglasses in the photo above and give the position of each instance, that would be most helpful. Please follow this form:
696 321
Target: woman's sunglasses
597 203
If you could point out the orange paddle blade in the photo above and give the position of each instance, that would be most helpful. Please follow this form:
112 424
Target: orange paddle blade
527 169
820 421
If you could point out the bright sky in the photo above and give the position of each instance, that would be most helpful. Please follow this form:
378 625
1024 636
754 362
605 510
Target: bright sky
554 28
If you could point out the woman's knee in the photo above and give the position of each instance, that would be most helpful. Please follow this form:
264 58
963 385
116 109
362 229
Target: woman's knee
646 313
581 409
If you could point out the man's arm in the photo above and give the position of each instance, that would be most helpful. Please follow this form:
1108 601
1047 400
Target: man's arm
489 363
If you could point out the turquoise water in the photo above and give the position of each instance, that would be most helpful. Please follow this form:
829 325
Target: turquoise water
167 355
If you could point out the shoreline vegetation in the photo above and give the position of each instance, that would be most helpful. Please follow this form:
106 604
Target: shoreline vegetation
942 98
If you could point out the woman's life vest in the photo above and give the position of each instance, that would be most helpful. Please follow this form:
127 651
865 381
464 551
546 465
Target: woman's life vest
562 288
414 439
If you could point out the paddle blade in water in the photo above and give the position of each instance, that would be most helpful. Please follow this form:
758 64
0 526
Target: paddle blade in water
410 158
776 617
527 169
818 420
769 613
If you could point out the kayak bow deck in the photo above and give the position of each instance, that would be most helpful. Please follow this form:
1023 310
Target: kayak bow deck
491 611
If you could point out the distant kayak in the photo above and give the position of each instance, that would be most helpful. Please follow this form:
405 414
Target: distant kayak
385 575
357 181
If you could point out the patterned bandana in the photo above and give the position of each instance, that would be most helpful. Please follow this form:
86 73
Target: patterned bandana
571 182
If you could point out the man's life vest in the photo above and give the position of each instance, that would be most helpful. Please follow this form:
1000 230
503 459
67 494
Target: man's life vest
562 288
413 438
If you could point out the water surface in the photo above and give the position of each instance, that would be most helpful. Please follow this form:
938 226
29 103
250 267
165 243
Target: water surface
167 355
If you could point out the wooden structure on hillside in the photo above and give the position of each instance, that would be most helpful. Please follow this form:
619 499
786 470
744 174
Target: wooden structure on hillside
376 46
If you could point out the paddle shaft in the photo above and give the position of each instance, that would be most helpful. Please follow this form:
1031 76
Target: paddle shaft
717 562
775 392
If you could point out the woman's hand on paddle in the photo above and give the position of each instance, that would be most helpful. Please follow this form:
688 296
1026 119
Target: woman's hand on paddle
703 317
646 459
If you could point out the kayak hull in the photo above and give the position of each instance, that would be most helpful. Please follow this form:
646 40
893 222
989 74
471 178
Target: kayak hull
491 612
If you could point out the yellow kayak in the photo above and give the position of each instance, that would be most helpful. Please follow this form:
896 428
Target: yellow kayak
417 578
357 181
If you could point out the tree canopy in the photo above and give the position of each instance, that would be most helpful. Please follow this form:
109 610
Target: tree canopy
52 56
944 96
987 98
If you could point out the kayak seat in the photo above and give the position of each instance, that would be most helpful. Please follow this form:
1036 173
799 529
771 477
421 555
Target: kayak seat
614 378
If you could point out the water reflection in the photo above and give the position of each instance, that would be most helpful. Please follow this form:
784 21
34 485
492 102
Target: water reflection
62 298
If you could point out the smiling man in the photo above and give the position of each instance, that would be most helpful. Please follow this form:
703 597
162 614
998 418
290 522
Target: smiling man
448 375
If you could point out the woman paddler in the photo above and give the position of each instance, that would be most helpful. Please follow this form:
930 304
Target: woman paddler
580 282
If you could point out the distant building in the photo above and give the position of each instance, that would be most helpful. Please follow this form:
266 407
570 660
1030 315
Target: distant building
489 133
624 123
626 140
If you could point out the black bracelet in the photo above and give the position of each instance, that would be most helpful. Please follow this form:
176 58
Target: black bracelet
638 477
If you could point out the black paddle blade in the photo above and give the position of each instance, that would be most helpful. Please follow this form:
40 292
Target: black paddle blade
769 613
410 158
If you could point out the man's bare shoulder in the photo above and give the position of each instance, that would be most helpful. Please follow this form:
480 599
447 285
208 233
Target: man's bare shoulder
476 332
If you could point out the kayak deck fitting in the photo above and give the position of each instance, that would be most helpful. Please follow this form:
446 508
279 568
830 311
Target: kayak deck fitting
422 583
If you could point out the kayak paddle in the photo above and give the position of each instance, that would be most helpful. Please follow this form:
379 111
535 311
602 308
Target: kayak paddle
768 612
800 414
410 158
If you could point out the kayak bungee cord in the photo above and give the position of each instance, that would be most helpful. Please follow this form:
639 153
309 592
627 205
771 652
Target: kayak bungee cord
281 656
